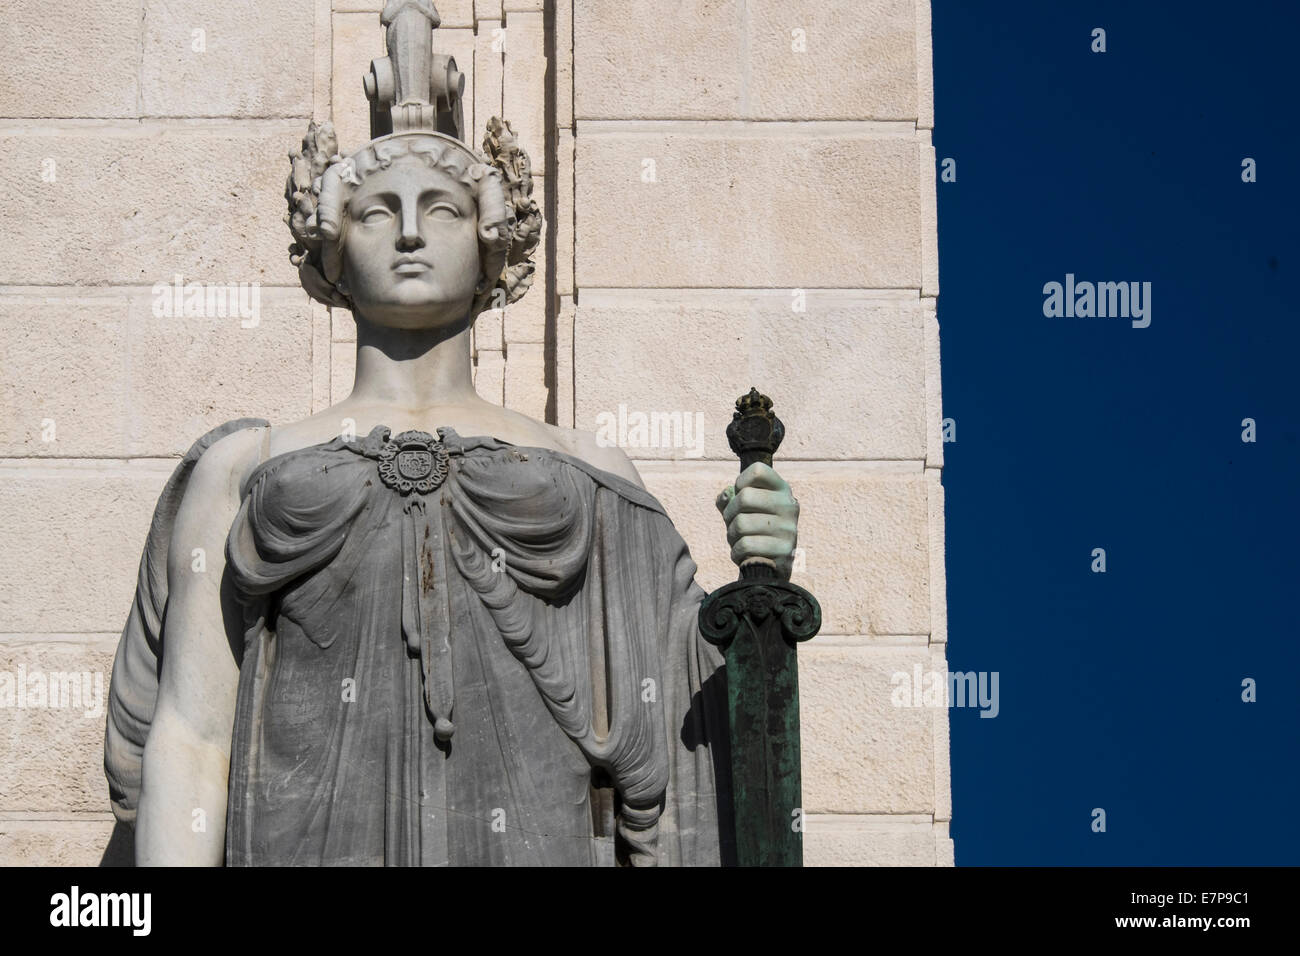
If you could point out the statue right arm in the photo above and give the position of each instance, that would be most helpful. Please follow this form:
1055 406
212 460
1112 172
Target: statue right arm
182 812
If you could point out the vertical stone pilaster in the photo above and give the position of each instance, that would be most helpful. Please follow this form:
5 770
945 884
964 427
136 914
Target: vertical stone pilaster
564 399
489 47
524 91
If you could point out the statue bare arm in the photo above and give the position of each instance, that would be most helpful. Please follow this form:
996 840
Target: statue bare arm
187 755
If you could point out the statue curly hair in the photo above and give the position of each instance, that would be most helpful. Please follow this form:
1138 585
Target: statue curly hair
509 221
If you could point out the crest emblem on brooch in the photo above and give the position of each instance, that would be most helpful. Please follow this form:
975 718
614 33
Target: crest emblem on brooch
413 461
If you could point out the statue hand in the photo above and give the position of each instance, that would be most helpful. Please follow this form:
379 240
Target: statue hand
762 519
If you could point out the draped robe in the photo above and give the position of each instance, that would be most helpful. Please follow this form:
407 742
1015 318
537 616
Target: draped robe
464 652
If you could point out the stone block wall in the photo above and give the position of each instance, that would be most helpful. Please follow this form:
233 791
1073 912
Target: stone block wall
737 192
754 204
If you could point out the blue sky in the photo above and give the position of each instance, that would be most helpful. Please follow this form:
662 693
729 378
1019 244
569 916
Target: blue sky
1122 690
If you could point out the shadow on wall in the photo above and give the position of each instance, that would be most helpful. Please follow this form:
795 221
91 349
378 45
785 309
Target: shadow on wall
120 850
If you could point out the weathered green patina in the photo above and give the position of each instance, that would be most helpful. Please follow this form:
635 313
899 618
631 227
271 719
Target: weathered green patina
757 622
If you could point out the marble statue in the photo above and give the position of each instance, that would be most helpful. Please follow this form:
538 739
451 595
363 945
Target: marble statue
428 630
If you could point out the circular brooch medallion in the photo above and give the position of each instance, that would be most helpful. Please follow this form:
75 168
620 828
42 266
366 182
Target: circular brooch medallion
413 461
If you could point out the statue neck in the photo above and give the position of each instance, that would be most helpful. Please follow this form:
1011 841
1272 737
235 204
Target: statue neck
413 368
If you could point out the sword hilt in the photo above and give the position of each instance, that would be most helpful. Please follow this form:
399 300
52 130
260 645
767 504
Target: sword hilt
756 622
755 433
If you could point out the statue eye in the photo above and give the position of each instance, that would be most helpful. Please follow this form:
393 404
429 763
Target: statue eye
376 214
443 210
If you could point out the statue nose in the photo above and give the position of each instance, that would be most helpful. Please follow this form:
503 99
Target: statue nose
410 239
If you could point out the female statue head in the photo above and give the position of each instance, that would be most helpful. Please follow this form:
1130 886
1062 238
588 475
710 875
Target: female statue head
414 230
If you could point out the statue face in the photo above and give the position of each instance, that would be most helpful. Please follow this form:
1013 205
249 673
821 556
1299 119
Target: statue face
410 251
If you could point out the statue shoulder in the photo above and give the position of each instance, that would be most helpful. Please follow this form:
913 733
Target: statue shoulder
586 447
224 464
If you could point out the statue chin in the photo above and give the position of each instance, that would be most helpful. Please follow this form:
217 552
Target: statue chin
416 314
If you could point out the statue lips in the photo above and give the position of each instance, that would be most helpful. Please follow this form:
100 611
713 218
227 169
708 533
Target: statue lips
411 266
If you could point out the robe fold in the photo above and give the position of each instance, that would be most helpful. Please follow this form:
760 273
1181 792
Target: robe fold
457 651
